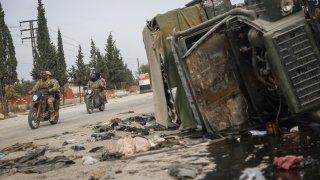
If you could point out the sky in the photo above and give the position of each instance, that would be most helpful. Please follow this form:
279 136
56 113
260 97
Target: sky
81 20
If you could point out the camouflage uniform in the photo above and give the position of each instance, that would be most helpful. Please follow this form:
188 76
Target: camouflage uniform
101 85
52 86
90 84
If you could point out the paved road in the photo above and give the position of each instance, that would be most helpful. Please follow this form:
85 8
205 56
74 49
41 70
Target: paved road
71 118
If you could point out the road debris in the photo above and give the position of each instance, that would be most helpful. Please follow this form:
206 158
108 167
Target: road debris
77 148
34 162
128 146
102 136
252 174
286 162
18 147
95 149
183 171
88 160
110 156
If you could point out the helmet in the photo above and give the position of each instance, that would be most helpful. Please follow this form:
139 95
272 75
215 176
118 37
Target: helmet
98 76
48 73
92 77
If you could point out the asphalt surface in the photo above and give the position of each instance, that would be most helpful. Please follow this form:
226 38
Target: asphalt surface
72 118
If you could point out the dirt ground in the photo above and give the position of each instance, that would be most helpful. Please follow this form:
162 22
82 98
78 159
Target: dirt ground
165 163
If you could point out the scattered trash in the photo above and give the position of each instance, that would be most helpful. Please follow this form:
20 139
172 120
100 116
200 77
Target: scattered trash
2 155
95 175
88 160
95 149
294 129
183 171
34 162
77 148
272 128
18 147
110 156
129 146
224 156
74 157
70 141
133 171
307 162
252 174
257 133
251 156
142 144
259 146
164 144
127 112
125 146
287 161
156 140
48 137
102 136
116 119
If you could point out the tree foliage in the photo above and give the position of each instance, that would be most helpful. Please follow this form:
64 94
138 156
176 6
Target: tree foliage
93 56
22 87
60 70
46 58
81 71
144 68
119 75
8 61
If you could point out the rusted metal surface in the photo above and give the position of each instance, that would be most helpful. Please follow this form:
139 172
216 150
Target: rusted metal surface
215 88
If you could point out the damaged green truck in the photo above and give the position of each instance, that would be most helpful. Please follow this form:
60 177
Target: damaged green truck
230 64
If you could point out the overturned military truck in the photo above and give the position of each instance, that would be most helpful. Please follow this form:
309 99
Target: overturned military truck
231 64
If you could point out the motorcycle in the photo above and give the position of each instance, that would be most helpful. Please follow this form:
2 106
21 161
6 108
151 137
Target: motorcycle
93 100
39 111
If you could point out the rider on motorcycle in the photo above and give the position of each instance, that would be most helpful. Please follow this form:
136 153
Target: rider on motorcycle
52 86
100 83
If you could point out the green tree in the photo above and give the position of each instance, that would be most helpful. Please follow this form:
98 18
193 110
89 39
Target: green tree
81 72
22 87
102 67
8 61
119 74
145 68
93 56
61 69
46 53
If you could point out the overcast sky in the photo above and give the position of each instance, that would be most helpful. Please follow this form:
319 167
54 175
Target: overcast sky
81 20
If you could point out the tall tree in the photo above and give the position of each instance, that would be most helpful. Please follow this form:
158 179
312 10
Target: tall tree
118 72
46 54
8 61
102 67
60 70
93 56
81 71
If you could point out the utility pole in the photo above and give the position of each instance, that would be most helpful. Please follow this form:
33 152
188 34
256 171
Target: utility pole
32 37
138 66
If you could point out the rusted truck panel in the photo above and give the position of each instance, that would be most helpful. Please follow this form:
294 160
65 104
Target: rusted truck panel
214 84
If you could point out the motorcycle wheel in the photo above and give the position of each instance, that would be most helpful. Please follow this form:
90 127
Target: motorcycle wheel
101 107
55 119
89 106
32 119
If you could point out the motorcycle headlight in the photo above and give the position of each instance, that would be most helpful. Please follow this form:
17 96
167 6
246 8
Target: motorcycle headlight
287 6
35 97
89 91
